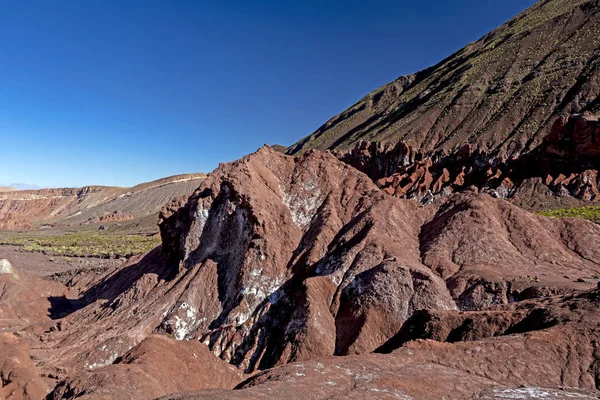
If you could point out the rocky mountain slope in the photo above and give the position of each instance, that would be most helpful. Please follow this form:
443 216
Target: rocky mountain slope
75 207
500 94
562 171
276 260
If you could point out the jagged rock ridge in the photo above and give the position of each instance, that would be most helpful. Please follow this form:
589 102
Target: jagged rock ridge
563 170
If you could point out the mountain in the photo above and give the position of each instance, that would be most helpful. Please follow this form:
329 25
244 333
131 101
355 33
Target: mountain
500 94
78 207
23 186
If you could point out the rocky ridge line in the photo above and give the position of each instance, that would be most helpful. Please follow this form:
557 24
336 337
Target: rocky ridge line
562 170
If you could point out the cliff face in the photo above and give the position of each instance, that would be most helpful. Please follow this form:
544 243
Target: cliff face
500 94
563 169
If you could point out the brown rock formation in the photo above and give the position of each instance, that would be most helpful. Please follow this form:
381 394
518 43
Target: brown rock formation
563 169
279 218
19 378
557 359
27 300
115 216
156 367
577 137
275 260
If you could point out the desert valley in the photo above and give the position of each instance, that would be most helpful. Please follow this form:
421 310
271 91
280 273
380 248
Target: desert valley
437 240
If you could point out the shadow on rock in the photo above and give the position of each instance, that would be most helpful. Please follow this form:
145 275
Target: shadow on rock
61 306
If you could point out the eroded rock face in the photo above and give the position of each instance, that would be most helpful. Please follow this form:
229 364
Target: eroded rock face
576 137
275 260
352 263
562 170
156 367
294 248
558 360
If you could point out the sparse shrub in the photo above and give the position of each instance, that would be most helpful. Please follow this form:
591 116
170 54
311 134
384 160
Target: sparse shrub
83 244
591 213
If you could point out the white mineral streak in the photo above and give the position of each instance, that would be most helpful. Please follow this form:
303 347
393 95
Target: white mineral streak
304 205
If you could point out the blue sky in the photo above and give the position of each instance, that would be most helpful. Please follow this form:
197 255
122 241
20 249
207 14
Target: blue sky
121 92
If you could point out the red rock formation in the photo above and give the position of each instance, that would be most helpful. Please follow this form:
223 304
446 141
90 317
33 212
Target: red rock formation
19 378
566 163
27 300
156 367
574 137
116 216
276 259
556 359
278 216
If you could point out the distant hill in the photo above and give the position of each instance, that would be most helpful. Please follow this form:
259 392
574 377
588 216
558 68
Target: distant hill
89 207
500 94
23 186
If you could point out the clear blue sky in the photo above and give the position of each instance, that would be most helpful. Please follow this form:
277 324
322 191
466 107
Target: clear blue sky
120 92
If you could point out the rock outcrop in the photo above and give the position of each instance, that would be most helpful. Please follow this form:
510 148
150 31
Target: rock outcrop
276 260
19 378
156 367
370 259
574 140
27 303
27 300
554 360
562 170
274 234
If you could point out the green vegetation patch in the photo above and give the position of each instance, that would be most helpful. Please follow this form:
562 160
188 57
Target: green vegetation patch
591 213
83 244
